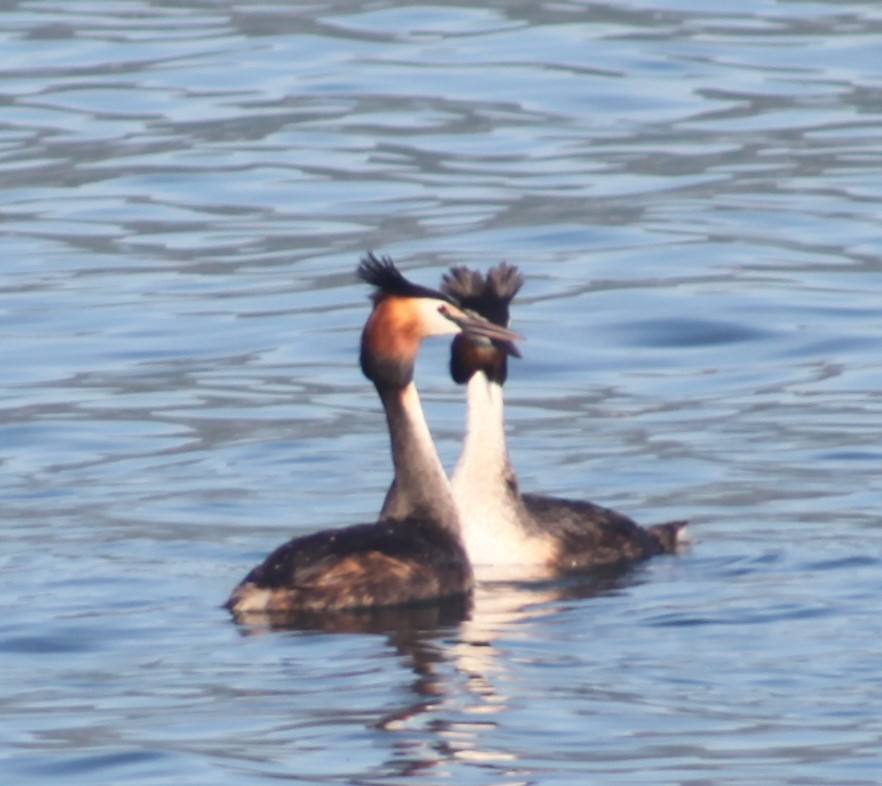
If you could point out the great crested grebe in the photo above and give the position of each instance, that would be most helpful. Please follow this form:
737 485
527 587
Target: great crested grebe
524 534
414 553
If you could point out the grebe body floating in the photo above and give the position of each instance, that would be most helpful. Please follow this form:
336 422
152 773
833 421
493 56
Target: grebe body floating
527 535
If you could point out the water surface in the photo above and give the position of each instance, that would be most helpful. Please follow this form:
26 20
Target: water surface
693 196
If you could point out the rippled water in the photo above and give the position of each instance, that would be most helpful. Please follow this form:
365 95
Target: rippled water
694 196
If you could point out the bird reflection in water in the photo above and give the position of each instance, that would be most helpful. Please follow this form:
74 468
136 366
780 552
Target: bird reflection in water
459 692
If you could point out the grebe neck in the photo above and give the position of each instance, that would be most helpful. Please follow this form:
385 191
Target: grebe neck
420 486
497 529
484 456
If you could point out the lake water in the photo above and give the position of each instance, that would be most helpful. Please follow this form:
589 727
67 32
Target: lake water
694 195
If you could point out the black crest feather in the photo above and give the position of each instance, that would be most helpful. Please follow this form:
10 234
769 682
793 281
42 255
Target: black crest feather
380 272
505 281
488 296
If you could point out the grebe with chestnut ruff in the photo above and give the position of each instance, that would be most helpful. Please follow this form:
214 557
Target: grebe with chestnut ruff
414 553
525 535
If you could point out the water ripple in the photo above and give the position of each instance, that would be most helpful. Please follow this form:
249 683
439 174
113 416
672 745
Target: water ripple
693 195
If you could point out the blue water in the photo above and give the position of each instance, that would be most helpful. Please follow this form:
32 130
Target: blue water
693 194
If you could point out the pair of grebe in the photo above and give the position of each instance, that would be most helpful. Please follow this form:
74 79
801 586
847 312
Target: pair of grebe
431 531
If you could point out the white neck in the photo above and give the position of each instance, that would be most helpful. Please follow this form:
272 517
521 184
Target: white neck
494 522
420 487
484 456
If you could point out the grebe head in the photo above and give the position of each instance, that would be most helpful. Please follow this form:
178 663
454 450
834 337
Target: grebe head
490 297
404 314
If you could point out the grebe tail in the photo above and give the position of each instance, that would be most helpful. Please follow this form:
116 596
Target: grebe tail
414 553
528 533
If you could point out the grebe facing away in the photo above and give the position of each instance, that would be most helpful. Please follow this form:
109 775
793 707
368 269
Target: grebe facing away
527 535
415 553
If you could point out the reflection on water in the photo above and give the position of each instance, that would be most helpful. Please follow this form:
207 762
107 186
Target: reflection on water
693 195
458 670
400 622
459 675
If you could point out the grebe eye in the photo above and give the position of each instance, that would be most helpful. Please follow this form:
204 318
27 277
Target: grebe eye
444 311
